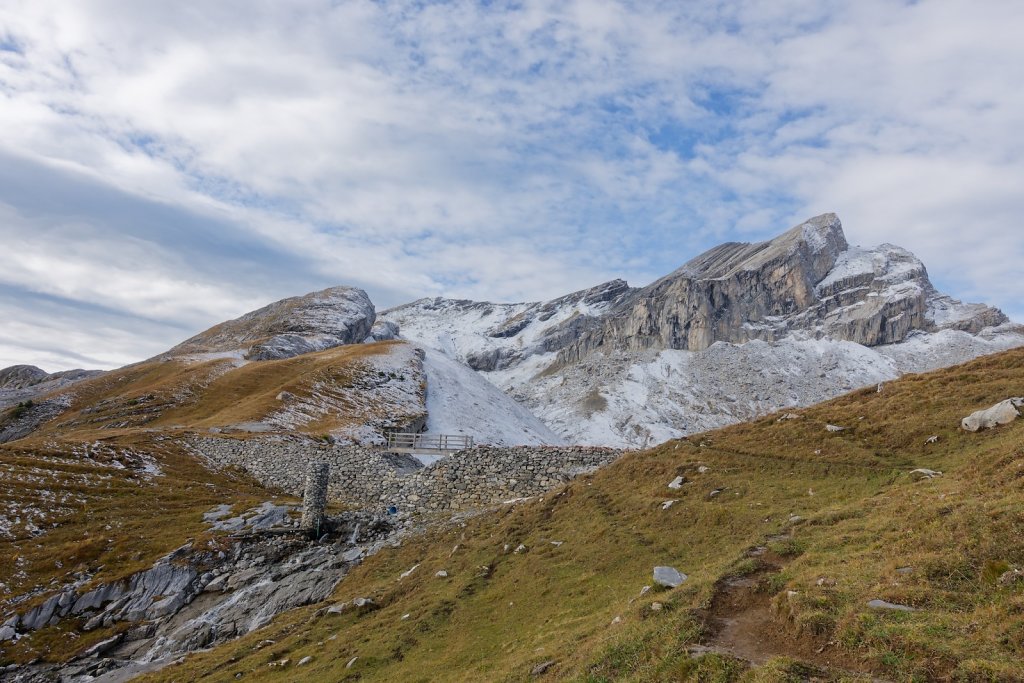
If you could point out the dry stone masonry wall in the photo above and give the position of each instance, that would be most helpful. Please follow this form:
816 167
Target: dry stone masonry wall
378 480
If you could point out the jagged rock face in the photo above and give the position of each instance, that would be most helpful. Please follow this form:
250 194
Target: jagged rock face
741 330
286 328
808 279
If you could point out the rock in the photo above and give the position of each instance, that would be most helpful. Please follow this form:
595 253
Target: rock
367 603
904 570
1001 413
715 492
103 646
542 668
932 439
286 328
285 396
788 416
834 428
924 473
677 483
520 549
656 606
384 330
305 660
1007 578
442 574
617 620
351 662
669 577
352 554
644 591
408 572
7 633
668 503
882 604
703 469
826 582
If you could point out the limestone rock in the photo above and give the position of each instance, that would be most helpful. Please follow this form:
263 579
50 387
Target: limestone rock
669 577
882 604
286 328
924 473
1001 413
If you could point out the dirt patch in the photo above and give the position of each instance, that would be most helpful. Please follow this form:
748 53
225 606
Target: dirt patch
742 623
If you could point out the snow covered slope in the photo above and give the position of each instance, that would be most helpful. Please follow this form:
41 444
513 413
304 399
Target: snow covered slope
737 332
461 401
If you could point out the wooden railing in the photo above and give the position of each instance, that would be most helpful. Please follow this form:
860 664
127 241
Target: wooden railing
407 443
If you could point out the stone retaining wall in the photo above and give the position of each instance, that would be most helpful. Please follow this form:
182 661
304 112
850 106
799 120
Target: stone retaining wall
375 479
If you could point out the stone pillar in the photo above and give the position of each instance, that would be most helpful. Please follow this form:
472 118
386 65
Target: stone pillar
314 500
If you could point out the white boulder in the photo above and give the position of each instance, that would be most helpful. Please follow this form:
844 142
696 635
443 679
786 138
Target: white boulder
1001 413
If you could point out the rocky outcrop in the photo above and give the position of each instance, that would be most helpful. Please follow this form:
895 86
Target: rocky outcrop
21 377
286 328
194 598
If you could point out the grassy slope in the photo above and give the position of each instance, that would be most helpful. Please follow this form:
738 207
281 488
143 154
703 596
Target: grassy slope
109 522
170 394
101 521
499 613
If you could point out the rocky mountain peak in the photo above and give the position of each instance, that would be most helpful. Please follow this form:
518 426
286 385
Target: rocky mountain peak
289 327
21 377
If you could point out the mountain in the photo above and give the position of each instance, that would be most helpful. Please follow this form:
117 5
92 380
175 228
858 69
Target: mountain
739 331
286 328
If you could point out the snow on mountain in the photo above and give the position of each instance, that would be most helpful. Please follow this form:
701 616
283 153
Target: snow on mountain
737 332
461 401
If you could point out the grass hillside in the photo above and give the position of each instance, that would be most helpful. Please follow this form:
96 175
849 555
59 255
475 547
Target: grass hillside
785 529
342 387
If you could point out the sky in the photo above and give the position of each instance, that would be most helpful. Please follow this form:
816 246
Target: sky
166 166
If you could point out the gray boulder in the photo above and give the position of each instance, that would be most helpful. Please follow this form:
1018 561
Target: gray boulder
670 577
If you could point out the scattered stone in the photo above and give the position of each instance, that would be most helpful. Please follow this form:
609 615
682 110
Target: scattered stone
644 591
351 662
442 574
677 483
789 416
932 439
364 602
405 616
557 544
281 663
834 428
924 473
670 577
703 469
305 660
904 570
285 396
1007 578
352 554
826 582
520 549
656 606
668 503
7 633
795 519
1001 413
408 572
617 620
882 604
542 668
715 492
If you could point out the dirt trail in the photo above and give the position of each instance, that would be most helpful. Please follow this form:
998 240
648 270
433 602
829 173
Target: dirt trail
741 623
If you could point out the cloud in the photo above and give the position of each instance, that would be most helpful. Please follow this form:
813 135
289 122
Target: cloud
181 163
